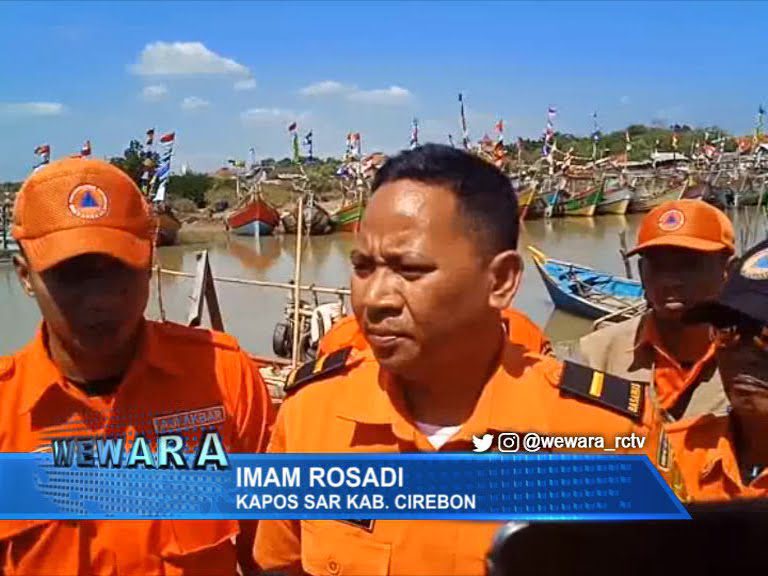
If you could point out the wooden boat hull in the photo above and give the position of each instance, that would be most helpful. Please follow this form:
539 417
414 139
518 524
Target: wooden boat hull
317 216
530 205
581 206
255 217
167 229
583 291
347 218
257 228
646 202
616 202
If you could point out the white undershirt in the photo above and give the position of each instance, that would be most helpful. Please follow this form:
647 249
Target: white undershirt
437 435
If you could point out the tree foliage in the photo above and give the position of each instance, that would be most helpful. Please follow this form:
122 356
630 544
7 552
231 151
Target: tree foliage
191 185
644 140
133 158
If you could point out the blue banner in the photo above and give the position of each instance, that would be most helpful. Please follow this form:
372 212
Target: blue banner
344 486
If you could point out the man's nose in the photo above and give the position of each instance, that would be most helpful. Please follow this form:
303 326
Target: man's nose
381 298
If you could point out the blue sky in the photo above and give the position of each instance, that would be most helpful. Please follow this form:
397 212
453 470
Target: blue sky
228 76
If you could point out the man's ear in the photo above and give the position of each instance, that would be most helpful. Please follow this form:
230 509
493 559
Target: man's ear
505 271
21 266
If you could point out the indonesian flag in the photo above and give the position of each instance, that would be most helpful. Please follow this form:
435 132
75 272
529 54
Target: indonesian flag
168 138
150 136
86 149
292 127
500 130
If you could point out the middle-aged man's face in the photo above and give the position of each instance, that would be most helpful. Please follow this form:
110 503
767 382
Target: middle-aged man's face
743 366
422 284
93 303
676 279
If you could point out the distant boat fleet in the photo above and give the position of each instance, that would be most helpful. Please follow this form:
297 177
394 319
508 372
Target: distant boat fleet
618 190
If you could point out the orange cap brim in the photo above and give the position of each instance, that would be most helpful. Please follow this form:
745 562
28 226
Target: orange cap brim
680 241
56 247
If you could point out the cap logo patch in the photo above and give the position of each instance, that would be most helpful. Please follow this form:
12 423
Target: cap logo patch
88 202
756 266
671 220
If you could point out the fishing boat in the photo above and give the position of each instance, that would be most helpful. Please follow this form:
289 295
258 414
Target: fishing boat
530 205
615 197
582 205
168 225
649 194
256 218
583 291
347 218
577 195
316 218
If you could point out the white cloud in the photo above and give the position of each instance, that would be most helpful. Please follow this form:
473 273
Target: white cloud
271 116
193 103
325 88
184 58
246 84
31 108
154 92
391 95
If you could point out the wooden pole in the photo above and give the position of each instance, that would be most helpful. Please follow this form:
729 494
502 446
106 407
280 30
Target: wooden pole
623 251
297 283
263 283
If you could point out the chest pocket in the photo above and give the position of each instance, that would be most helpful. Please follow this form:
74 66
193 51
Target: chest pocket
331 548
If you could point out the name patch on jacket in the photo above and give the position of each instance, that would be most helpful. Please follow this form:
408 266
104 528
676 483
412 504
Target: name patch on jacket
366 525
190 419
617 394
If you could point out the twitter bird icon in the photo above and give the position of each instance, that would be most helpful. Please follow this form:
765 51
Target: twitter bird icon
482 444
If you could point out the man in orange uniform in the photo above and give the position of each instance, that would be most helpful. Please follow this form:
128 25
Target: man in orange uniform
520 329
685 247
97 367
725 457
435 263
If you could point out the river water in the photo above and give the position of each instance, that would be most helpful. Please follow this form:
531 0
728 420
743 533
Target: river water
250 313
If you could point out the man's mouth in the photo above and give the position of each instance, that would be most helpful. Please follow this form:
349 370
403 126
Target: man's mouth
384 338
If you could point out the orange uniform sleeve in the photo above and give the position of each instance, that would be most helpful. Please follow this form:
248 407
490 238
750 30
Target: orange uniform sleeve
278 542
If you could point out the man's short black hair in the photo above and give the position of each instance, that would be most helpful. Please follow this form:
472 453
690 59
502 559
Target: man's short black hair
485 196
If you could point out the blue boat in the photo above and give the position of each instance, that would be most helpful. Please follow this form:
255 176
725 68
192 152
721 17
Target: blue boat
584 291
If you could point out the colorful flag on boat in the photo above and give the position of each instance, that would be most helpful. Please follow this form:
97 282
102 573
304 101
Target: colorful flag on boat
759 125
150 137
86 149
168 138
307 142
464 129
549 134
44 151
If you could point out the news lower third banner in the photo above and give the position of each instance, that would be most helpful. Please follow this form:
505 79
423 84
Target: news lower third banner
355 487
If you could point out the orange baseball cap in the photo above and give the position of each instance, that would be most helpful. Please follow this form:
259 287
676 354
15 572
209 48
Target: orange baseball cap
79 206
691 224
